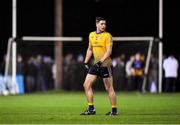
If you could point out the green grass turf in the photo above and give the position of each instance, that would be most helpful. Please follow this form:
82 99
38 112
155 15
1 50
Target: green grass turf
65 107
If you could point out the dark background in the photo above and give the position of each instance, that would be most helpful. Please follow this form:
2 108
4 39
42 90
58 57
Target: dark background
124 18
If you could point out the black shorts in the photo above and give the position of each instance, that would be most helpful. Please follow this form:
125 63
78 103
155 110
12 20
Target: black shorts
103 72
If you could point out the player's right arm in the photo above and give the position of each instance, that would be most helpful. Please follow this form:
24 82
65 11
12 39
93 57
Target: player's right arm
88 54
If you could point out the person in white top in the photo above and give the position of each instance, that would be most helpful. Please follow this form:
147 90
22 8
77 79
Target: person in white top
170 66
129 73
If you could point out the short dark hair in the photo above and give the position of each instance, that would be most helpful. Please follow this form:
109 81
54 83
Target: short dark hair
98 19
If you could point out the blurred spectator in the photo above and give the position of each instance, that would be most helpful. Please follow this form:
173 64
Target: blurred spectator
81 72
30 75
20 74
138 71
153 74
54 71
80 58
41 73
69 72
48 74
129 73
170 66
119 72
20 65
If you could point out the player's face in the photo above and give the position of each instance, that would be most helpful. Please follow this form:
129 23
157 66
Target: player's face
101 26
138 56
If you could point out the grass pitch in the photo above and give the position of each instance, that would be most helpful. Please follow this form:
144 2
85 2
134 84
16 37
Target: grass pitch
65 107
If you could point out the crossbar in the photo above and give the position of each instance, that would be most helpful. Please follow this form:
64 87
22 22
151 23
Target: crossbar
47 38
44 38
146 38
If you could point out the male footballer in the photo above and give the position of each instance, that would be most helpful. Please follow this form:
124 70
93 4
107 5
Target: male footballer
100 46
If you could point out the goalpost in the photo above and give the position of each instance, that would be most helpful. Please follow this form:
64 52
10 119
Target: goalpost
12 43
147 42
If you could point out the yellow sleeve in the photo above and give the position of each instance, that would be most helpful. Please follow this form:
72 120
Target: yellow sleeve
90 39
109 41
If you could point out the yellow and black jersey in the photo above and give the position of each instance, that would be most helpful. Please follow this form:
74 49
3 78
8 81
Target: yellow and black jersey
138 67
98 43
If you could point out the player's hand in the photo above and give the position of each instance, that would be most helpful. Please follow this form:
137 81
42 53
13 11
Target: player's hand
98 64
86 66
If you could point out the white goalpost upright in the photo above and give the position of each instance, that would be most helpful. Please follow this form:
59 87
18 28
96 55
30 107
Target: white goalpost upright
14 88
160 44
11 81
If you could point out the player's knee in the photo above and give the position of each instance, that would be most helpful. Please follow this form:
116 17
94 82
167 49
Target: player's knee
87 85
109 89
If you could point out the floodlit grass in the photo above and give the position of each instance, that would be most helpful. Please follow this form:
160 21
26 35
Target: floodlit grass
65 107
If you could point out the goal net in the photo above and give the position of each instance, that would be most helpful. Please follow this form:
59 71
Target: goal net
34 64
136 64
